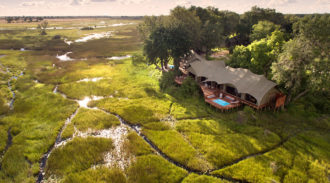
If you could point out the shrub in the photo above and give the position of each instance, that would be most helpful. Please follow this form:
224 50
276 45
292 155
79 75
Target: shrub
167 80
138 59
57 37
87 28
190 88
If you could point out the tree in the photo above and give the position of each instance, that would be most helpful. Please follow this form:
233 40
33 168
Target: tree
262 30
43 27
304 64
156 47
9 19
241 57
215 27
252 17
259 55
169 37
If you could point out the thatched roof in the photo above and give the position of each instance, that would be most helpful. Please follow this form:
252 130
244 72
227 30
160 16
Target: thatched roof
243 79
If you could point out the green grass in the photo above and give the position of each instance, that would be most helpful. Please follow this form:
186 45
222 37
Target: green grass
297 161
94 119
136 145
77 155
136 111
194 178
98 175
88 119
3 138
189 109
175 146
154 169
219 142
33 125
68 132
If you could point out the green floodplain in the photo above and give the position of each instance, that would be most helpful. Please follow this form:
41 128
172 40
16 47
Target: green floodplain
96 119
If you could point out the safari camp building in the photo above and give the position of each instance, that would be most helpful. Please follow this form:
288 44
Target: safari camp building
232 87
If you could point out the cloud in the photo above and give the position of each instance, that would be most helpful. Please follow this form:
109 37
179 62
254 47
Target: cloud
201 3
127 2
100 1
184 3
79 2
280 2
32 3
323 2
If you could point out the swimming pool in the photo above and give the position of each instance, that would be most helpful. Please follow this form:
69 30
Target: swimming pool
221 102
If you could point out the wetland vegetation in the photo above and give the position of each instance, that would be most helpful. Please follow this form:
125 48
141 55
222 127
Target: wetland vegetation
135 125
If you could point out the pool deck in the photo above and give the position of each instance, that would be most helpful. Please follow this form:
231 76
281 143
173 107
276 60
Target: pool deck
208 93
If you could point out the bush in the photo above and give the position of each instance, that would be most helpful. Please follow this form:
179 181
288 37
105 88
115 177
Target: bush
167 80
57 37
87 28
138 59
190 88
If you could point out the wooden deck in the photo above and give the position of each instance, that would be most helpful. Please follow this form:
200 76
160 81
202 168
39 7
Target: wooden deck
212 94
179 79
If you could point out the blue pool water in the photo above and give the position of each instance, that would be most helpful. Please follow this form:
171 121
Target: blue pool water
171 66
221 102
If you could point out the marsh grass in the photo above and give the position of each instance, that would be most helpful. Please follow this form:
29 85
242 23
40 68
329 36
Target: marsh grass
136 111
154 169
194 178
136 145
34 128
174 145
77 155
296 161
97 175
94 119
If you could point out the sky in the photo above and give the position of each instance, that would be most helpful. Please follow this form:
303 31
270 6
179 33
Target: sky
149 7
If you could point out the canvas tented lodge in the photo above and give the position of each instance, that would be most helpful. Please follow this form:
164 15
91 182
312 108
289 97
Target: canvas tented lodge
233 86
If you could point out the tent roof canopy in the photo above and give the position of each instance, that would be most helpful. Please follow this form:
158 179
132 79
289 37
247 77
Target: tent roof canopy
243 79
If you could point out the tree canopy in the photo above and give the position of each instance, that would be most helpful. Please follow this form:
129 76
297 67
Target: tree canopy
291 50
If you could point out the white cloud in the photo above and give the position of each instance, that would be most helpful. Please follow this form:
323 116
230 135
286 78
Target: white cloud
280 2
322 2
32 3
127 2
206 3
79 2
201 3
184 3
100 1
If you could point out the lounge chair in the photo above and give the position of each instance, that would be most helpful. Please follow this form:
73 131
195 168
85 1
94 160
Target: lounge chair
210 96
230 98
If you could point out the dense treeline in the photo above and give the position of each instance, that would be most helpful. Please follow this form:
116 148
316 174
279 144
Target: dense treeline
17 19
290 50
